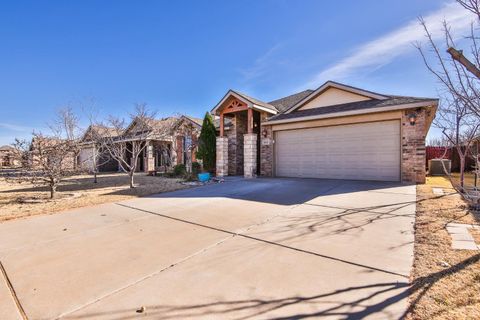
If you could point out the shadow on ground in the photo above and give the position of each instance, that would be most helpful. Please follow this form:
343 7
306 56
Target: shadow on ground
359 308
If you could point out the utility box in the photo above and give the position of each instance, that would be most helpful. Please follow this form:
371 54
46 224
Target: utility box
436 168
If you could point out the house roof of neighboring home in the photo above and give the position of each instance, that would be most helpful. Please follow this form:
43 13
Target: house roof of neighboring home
165 126
7 148
101 130
194 120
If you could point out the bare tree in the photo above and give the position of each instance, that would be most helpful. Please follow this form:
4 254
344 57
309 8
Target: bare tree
458 116
47 160
459 126
126 142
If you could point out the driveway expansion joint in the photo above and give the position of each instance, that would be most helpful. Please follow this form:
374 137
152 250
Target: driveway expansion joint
13 294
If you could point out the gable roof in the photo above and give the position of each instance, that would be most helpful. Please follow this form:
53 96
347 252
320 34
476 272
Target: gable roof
359 107
165 126
286 108
332 84
195 121
251 102
101 130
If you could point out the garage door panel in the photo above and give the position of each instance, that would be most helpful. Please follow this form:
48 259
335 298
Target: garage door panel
368 151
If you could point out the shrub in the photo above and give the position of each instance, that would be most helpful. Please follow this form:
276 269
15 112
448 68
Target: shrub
207 143
196 168
179 170
189 176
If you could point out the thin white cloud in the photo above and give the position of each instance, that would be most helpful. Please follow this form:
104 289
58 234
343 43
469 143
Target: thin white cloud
261 64
14 127
381 51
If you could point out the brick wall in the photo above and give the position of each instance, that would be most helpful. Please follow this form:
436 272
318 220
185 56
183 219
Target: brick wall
241 127
235 143
231 135
413 147
266 149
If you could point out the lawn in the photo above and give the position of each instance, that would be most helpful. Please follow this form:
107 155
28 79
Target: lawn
445 282
21 200
469 178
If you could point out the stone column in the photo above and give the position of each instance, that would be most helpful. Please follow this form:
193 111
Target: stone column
150 159
222 156
250 155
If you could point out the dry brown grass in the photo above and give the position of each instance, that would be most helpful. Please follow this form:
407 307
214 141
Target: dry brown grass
445 282
78 191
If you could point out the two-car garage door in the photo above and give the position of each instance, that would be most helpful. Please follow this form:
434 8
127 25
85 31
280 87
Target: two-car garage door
366 151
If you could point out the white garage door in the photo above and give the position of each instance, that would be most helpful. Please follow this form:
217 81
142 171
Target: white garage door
367 151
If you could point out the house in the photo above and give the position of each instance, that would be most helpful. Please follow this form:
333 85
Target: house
49 152
8 157
170 141
92 155
334 132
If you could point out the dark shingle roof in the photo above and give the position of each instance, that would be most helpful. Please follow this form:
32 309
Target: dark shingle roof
360 105
286 103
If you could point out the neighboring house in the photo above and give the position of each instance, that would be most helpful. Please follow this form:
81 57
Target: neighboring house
44 149
170 141
334 132
91 155
8 157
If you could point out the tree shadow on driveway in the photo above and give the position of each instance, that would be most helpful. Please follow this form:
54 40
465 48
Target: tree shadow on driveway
323 304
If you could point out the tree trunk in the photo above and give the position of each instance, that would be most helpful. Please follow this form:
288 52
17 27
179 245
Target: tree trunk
95 177
53 190
462 171
131 179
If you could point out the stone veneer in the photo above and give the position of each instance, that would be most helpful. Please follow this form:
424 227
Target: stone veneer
222 156
413 147
235 143
266 149
250 155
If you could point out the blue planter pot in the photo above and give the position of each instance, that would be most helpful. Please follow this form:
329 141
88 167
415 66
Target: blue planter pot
204 177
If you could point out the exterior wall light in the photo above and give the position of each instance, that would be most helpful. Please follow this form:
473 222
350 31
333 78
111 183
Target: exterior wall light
412 117
264 133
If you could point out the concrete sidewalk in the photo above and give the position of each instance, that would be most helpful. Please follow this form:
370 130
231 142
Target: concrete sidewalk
264 248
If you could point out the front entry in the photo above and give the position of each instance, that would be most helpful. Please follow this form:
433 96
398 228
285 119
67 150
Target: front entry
238 149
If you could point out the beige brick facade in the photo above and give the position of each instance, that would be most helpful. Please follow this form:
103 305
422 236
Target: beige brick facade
266 152
413 147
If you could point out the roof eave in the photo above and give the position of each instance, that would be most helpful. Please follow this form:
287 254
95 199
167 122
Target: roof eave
432 103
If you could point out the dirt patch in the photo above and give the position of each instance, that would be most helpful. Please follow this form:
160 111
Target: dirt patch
22 200
445 282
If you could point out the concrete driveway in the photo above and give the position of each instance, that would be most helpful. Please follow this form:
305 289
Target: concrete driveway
244 249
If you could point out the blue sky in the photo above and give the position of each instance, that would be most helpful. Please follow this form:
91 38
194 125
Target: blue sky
182 56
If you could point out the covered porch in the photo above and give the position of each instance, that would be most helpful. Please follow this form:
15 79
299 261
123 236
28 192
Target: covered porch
239 144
